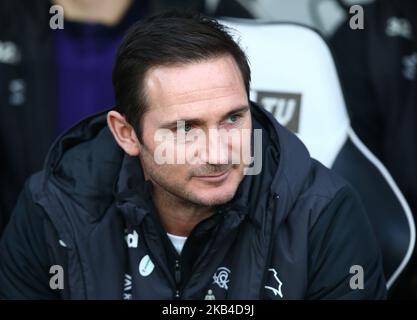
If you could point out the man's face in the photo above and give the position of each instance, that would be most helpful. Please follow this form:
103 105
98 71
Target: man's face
209 98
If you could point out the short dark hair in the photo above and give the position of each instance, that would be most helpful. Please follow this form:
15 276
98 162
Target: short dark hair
162 40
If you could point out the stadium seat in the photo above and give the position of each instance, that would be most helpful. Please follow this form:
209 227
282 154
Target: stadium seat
294 77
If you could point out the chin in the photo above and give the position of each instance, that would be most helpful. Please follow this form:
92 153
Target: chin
216 196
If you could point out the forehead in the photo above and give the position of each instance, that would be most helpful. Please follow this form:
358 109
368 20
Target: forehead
182 90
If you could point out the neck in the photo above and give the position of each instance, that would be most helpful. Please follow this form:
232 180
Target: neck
178 216
107 12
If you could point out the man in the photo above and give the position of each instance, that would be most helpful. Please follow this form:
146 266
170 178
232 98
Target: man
158 201
51 78
382 100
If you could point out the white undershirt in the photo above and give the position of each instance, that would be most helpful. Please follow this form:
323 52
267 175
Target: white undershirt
177 241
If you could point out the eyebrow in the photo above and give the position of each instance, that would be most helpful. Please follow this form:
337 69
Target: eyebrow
172 124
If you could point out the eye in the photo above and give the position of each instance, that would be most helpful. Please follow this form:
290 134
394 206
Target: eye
186 127
233 118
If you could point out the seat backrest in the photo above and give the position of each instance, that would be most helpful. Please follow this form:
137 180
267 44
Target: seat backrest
294 77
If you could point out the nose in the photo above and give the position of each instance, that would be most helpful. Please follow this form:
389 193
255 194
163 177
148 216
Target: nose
216 149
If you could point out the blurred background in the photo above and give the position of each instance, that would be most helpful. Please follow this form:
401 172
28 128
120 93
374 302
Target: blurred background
54 73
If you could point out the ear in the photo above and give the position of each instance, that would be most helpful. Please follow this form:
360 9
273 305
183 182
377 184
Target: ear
123 133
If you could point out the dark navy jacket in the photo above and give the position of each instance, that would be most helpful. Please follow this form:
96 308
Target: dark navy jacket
295 231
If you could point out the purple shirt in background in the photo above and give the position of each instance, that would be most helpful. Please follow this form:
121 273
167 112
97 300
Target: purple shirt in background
84 56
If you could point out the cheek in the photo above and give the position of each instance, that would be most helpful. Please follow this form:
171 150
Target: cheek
179 172
171 174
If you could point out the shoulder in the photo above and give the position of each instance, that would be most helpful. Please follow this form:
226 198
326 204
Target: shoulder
324 187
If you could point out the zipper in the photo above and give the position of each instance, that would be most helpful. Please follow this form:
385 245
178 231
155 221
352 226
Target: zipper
273 207
177 279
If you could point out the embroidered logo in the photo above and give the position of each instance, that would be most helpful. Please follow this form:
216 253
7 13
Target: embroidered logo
277 290
221 277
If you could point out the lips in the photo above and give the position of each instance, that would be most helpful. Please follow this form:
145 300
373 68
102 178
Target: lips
218 177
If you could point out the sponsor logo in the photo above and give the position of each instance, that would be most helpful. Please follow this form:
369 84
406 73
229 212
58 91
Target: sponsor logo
146 266
132 239
284 106
127 289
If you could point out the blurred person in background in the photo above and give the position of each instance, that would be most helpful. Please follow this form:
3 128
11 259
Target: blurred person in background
378 68
52 78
